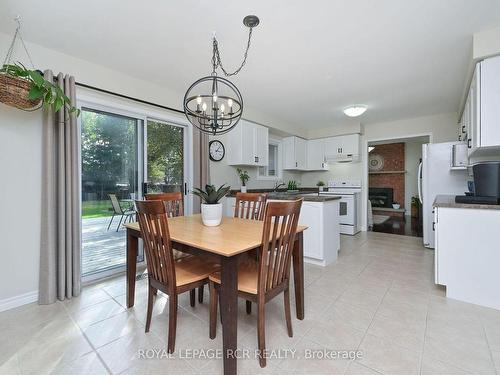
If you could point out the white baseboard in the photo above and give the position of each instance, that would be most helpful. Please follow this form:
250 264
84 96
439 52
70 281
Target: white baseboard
16 301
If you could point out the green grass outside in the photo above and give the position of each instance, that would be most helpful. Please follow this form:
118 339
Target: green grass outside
92 209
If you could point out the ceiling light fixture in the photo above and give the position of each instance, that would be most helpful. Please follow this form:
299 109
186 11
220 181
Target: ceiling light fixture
214 104
355 110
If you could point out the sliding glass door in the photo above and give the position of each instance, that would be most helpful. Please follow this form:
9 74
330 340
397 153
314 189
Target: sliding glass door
122 158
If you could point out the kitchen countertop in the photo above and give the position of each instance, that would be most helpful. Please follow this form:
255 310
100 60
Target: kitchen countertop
449 201
306 193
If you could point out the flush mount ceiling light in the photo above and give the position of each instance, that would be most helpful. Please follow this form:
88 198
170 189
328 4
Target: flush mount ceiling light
214 104
355 110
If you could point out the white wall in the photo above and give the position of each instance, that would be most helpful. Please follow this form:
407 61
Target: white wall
20 154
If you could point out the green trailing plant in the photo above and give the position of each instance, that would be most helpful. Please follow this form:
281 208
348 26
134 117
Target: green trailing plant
292 185
243 176
211 195
320 183
50 94
415 201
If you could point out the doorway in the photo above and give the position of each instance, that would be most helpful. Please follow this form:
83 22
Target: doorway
393 181
123 156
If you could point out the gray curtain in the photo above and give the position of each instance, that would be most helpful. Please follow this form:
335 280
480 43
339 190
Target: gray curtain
201 165
60 248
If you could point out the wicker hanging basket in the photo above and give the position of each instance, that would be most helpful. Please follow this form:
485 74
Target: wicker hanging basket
14 92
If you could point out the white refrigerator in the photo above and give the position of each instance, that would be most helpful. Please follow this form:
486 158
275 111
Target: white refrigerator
436 176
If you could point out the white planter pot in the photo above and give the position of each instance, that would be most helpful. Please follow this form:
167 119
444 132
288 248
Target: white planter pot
320 188
211 214
243 189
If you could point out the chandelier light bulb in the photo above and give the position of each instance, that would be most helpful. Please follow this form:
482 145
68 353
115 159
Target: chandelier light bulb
198 100
222 108
215 98
230 103
204 107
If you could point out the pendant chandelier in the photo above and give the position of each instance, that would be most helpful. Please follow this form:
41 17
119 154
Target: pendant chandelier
214 104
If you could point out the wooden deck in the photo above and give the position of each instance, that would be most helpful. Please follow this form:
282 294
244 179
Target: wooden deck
102 249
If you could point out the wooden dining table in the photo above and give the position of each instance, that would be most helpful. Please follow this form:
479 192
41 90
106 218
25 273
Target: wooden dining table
226 243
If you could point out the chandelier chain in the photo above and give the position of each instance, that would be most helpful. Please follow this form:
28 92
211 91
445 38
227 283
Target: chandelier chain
217 61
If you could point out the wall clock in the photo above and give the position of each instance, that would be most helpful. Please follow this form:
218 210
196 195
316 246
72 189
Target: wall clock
216 150
375 162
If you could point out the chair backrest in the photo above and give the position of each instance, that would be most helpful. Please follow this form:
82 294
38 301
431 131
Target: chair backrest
116 205
250 206
174 203
278 237
158 247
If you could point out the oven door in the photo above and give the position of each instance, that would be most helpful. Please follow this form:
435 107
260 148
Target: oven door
346 209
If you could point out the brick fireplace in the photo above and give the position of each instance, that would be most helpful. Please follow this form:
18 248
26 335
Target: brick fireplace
387 171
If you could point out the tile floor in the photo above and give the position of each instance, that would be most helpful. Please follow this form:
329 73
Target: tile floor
378 298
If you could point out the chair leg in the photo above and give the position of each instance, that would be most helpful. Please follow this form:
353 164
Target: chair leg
261 333
150 306
112 217
288 316
120 223
200 293
213 310
249 307
172 322
192 297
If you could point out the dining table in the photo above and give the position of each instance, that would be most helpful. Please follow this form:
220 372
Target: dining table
228 244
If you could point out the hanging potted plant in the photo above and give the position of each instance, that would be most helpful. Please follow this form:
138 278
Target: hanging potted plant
25 88
244 177
211 208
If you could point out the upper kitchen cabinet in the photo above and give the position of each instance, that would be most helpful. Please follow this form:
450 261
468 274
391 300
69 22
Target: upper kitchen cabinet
248 144
481 114
316 157
342 148
294 153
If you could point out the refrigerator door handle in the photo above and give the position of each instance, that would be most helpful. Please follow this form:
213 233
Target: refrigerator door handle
419 185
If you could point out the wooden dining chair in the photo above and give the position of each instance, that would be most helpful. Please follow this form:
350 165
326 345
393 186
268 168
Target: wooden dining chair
164 273
250 205
174 205
261 281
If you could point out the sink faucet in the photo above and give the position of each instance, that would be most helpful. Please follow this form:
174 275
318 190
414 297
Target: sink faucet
277 186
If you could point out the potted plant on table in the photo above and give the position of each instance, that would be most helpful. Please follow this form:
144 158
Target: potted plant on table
293 186
320 185
211 209
244 177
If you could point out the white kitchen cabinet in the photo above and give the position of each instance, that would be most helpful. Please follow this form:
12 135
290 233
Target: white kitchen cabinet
316 159
342 148
466 255
248 144
481 114
294 153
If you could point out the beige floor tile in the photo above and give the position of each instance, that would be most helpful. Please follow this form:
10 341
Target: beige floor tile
343 312
89 364
496 360
335 335
358 369
431 366
95 313
87 297
105 331
386 357
407 333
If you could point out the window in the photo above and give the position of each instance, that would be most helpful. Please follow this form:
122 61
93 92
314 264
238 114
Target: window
273 169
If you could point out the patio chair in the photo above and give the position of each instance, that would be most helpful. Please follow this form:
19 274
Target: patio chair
118 210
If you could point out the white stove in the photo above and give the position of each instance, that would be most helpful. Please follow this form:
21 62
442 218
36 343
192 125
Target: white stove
350 204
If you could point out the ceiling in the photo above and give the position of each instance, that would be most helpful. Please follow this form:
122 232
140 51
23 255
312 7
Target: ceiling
308 59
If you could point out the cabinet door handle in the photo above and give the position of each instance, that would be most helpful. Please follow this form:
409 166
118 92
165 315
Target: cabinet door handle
434 226
468 143
255 159
463 128
296 164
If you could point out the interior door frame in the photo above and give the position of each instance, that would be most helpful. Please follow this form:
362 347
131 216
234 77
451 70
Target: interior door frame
93 100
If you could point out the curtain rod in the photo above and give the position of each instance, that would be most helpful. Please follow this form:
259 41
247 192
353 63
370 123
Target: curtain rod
128 97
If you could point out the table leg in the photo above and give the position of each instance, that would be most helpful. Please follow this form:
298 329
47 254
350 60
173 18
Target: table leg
229 312
298 274
131 266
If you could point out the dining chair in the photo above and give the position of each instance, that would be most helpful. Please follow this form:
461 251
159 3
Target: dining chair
261 281
172 277
118 210
174 205
250 205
